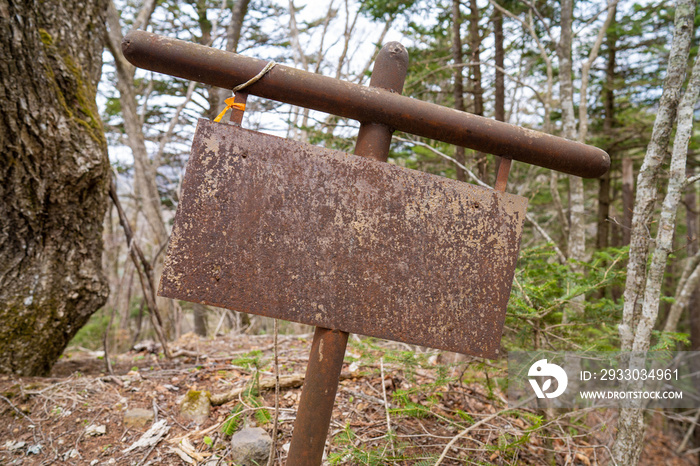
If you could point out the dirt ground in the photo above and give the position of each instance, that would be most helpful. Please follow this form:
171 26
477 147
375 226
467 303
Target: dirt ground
435 410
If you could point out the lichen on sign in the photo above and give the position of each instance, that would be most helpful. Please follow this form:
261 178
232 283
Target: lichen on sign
283 229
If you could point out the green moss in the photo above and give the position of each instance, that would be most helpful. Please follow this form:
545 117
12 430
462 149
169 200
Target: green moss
45 37
196 405
12 392
17 349
80 94
194 396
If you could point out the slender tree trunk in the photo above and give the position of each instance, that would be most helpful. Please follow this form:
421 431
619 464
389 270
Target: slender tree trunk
205 38
476 89
577 232
233 37
499 104
55 172
604 201
566 87
458 88
233 33
577 238
647 180
627 199
145 187
642 294
499 59
691 217
200 319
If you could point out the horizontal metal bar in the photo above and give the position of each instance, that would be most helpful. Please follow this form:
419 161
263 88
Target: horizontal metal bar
365 104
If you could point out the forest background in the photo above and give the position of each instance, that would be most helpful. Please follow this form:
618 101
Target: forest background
605 264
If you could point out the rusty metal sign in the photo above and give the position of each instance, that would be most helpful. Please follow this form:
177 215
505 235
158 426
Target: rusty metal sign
283 229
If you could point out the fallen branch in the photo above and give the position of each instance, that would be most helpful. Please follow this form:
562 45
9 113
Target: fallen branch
195 434
371 398
688 434
285 381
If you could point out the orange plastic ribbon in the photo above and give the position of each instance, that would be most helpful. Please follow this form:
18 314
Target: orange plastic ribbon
230 104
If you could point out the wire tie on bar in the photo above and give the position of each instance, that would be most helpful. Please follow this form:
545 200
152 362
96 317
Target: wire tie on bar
241 106
255 78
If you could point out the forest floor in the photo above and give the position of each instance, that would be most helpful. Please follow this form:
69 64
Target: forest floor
435 409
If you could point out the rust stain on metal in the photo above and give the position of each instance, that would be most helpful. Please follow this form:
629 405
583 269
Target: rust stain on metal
283 229
365 104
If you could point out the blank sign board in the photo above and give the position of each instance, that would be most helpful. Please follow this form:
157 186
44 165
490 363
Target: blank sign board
283 229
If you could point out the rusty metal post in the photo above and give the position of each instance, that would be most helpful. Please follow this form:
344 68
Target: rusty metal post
317 397
502 174
389 73
237 114
328 347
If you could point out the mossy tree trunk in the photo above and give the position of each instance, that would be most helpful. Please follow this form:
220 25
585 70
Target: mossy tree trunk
53 178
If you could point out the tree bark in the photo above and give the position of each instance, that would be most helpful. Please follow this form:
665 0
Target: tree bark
458 88
499 59
54 171
604 201
233 37
566 86
499 104
627 199
200 319
577 229
145 188
205 38
476 89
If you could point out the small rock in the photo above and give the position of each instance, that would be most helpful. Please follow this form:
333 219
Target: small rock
250 446
94 462
34 449
11 445
93 431
138 417
72 453
196 406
